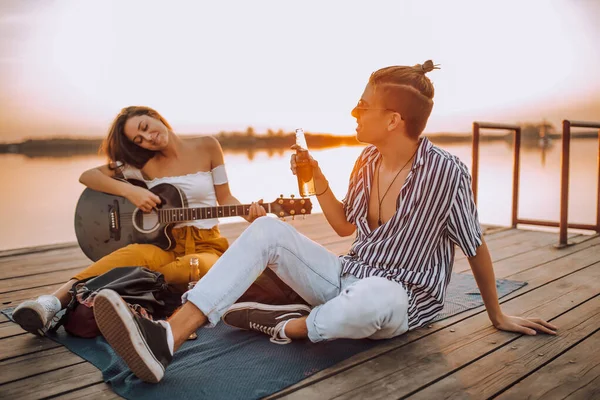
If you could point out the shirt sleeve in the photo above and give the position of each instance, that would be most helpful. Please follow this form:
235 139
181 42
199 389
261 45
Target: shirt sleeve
463 224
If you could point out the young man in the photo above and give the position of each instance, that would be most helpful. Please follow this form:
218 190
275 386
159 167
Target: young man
410 203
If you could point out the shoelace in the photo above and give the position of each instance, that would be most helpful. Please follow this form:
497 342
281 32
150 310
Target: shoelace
272 331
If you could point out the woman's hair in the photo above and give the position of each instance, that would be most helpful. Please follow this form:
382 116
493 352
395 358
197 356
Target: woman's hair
407 91
119 149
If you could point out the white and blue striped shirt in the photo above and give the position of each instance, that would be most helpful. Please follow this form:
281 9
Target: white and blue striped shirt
416 246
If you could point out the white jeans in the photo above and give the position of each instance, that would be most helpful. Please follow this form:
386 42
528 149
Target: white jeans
344 306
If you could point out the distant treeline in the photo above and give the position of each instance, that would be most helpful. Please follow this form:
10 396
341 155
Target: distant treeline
250 141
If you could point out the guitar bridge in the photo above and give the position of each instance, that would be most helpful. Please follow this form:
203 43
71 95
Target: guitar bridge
114 221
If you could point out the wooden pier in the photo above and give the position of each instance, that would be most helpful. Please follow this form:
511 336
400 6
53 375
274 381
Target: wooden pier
459 357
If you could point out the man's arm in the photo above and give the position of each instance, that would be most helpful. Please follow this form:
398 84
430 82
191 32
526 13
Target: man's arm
483 271
331 206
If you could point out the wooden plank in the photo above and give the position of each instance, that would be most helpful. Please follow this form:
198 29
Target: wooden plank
573 375
37 363
511 238
9 330
532 257
24 344
492 373
345 242
101 391
11 285
536 278
28 264
25 264
52 383
32 265
12 299
401 372
529 286
19 258
545 256
36 249
42 279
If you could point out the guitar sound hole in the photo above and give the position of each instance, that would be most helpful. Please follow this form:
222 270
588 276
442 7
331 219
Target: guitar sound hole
150 220
145 222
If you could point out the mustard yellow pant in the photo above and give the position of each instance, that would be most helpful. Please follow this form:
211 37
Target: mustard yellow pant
205 244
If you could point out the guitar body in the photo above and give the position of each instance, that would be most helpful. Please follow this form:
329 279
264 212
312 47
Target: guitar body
105 223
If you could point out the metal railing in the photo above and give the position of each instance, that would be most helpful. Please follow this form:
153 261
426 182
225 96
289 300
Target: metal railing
564 182
516 162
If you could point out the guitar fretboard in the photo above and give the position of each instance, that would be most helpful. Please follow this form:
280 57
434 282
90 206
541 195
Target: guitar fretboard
191 214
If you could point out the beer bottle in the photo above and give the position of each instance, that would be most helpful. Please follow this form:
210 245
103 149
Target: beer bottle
304 171
194 274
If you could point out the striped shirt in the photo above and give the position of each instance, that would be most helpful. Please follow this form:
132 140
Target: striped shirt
416 246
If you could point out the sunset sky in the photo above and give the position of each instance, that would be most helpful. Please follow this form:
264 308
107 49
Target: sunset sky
67 67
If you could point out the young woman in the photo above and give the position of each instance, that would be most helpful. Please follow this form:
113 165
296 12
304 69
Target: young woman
142 145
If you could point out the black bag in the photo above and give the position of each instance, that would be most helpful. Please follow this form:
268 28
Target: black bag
145 291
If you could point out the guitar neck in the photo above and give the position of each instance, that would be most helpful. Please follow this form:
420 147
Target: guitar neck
170 215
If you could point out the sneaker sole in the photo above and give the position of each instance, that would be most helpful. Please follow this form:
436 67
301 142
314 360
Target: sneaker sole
266 307
120 330
30 320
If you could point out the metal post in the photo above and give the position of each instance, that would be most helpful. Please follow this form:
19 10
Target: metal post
598 197
516 164
564 184
475 162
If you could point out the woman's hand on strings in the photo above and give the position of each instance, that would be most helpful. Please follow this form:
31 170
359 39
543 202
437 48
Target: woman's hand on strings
256 210
142 198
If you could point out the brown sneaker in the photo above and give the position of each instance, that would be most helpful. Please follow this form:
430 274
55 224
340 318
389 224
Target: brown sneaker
264 318
142 343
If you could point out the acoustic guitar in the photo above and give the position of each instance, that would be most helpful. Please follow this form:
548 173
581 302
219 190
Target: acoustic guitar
105 222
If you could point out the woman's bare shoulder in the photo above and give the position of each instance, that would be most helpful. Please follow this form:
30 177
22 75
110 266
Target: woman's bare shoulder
209 146
205 143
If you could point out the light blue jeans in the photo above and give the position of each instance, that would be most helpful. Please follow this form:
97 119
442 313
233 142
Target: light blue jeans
344 306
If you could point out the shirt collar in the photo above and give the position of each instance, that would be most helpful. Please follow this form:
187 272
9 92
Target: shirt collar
424 146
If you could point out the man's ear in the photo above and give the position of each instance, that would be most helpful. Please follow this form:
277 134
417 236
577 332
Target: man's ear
395 122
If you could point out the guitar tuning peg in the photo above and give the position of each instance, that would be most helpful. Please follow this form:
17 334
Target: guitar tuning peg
281 196
293 217
292 196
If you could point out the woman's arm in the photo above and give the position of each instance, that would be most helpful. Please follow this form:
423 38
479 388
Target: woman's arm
101 179
222 191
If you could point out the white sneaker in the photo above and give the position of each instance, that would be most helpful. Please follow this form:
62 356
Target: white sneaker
35 316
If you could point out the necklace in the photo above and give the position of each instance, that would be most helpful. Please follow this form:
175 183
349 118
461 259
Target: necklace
379 198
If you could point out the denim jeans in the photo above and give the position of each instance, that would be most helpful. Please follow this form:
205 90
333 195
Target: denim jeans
344 306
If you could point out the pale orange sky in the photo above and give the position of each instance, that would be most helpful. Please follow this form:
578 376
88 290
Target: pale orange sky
67 67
